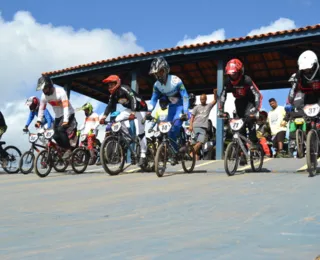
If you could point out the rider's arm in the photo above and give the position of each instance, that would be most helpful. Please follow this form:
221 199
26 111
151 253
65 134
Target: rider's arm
294 86
42 107
48 118
184 96
65 105
155 119
223 98
256 93
111 106
30 118
154 98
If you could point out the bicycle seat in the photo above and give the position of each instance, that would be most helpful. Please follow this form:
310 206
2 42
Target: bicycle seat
2 143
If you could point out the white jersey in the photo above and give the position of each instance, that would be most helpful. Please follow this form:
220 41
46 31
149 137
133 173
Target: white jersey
91 122
59 102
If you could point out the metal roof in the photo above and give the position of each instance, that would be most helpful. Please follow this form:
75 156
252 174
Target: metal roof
269 59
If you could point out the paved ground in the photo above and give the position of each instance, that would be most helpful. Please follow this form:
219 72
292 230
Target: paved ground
204 215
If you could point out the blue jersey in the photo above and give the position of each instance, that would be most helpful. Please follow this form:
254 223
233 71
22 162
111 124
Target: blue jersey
174 90
47 119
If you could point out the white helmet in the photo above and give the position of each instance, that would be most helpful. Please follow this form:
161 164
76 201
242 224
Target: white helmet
308 60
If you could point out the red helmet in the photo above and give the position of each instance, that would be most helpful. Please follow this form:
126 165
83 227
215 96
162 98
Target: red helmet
33 103
113 78
232 67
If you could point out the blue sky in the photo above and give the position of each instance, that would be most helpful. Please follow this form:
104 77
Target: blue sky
160 24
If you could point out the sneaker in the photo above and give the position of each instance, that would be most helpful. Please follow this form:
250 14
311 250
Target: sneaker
142 161
67 155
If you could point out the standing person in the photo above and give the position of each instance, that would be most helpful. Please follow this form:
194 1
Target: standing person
275 119
199 121
65 122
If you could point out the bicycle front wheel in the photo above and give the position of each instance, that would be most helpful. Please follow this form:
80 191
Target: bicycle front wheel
27 162
312 152
231 158
161 159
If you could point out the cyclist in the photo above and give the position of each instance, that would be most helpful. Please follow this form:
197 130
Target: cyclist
33 103
65 123
135 108
248 99
161 113
172 87
90 128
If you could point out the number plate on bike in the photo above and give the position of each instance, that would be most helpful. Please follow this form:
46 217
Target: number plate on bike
236 124
299 121
83 138
48 134
165 127
33 138
116 127
311 110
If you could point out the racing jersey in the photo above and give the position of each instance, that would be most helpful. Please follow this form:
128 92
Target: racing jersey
59 102
91 123
246 91
173 89
128 98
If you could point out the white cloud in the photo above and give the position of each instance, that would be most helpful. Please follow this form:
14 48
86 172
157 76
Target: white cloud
214 36
278 25
29 48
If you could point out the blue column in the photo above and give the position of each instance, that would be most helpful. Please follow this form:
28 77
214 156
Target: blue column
219 122
67 89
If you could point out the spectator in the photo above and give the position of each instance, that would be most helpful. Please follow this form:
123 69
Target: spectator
199 120
278 131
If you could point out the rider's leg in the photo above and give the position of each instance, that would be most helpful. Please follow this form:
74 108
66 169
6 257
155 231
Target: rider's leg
174 112
140 131
91 140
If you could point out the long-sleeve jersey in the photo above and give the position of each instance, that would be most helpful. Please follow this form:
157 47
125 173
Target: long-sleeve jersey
128 98
91 122
59 102
246 90
173 89
301 84
2 121
48 119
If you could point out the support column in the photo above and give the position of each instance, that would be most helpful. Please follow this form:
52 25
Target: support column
219 122
67 88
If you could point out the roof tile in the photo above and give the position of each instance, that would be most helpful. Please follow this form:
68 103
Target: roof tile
317 26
